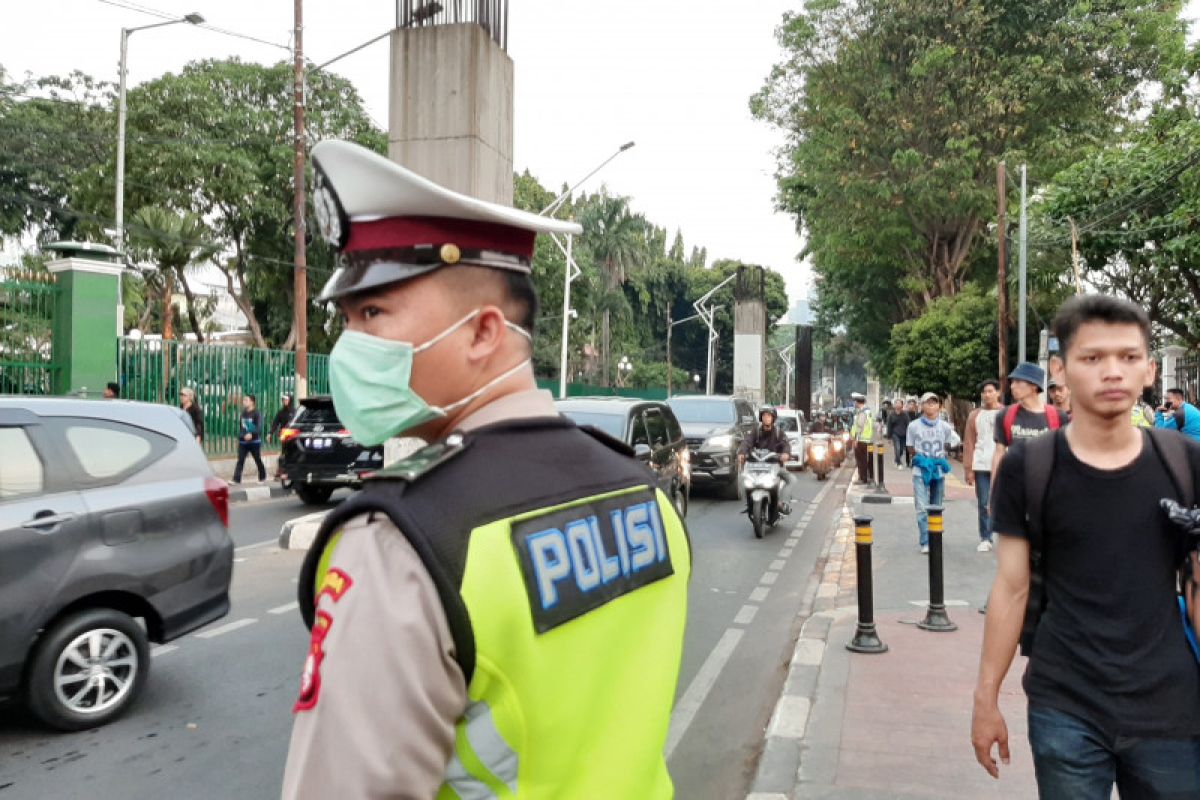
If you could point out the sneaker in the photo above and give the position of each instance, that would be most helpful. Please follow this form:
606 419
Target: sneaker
984 547
925 549
785 508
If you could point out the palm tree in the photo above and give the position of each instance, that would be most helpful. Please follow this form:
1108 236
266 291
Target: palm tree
175 243
614 236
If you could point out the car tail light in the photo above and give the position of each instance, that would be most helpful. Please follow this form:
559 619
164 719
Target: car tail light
286 434
343 432
218 494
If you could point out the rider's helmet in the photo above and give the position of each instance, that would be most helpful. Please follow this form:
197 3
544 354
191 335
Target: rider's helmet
768 410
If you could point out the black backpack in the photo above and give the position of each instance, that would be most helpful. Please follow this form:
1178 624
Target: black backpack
1039 464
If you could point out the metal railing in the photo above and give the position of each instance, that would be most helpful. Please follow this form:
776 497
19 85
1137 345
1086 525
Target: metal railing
1187 375
491 15
26 325
221 375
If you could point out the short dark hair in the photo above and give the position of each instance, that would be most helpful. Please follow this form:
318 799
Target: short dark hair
114 387
989 382
1097 308
523 297
1177 391
253 399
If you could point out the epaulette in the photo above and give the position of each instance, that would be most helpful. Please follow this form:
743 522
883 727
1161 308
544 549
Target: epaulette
423 461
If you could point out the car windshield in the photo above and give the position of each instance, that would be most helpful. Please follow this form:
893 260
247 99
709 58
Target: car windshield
612 424
317 415
717 412
787 424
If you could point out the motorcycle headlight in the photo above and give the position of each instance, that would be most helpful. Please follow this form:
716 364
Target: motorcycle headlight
719 442
818 451
748 481
837 445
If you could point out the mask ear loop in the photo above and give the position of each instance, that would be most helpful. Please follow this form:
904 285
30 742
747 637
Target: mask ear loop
443 410
447 332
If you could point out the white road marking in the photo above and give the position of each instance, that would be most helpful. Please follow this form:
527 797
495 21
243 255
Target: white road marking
769 578
697 691
785 552
239 560
285 608
163 649
778 564
255 545
226 628
759 594
745 615
948 603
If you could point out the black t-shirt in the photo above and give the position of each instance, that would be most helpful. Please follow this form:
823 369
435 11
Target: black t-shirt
774 440
1110 647
1027 425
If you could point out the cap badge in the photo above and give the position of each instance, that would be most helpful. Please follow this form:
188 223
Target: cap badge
450 254
331 217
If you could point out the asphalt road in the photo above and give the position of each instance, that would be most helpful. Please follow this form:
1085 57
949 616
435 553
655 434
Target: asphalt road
215 718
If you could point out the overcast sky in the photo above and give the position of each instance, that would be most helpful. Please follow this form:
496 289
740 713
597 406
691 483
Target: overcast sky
673 75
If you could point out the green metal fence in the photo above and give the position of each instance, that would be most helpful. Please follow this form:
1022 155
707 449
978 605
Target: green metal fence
221 375
26 319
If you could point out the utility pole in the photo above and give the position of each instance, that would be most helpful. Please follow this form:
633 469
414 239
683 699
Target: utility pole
1002 272
669 326
300 273
1023 293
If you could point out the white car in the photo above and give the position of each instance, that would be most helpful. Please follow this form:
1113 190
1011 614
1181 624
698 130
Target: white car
791 422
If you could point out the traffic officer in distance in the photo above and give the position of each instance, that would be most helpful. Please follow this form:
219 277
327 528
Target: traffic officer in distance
502 613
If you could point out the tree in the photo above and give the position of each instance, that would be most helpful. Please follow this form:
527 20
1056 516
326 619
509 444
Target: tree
897 111
612 233
950 349
175 243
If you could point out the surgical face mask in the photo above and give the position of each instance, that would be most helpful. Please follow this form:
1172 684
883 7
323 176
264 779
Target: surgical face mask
371 382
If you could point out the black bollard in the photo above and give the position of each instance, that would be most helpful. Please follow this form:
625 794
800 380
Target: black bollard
865 640
936 618
880 484
870 464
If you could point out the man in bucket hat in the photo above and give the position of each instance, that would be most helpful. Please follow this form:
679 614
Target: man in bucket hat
503 611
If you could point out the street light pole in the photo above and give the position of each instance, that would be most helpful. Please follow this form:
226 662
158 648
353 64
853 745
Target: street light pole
119 204
671 326
708 314
300 257
572 269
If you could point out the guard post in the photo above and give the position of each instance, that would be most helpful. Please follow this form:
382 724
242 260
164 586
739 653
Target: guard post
936 618
880 484
866 638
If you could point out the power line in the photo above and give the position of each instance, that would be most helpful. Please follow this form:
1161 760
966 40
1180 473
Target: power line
154 12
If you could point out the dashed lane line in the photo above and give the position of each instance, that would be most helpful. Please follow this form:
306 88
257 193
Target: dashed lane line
163 649
745 615
697 692
759 594
228 627
285 608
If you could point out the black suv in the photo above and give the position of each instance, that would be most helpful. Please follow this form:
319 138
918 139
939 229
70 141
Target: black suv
715 426
649 427
318 455
109 514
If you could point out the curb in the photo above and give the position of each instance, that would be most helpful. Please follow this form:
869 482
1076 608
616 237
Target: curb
256 493
776 774
299 533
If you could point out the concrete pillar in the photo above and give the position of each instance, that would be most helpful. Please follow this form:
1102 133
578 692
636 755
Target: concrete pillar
750 334
451 115
85 319
803 370
1170 360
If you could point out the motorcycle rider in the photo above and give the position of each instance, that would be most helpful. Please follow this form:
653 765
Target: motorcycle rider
768 436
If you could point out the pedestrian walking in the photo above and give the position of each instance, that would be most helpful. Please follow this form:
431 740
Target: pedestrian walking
250 427
1176 414
1028 416
287 410
112 390
187 401
897 431
979 445
927 440
1086 581
862 433
1060 397
501 614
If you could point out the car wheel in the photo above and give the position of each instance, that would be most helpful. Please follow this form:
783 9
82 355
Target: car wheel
87 669
313 495
681 499
733 489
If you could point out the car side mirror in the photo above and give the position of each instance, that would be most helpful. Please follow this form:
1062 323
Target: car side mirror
641 451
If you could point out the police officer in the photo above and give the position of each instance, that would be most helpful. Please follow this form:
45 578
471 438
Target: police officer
501 613
862 432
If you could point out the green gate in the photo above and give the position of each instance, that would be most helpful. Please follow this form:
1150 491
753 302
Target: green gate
26 319
220 374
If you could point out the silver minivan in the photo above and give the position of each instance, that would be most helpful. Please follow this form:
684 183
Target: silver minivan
113 534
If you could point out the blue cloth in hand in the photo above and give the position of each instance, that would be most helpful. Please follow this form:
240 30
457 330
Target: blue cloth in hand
932 469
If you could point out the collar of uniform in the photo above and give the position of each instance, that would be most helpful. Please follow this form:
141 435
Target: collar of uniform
519 405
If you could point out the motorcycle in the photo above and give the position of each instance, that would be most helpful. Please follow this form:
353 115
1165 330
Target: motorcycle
838 447
762 480
820 456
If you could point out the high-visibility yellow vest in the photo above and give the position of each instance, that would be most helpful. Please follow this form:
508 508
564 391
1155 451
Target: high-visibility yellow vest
1139 417
864 426
575 613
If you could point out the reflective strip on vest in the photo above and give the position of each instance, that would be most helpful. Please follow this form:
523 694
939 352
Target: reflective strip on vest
486 749
1139 418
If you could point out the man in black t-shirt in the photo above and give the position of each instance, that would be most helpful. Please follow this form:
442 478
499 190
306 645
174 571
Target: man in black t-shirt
1113 687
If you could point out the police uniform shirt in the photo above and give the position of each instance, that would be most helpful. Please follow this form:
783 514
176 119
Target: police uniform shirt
380 721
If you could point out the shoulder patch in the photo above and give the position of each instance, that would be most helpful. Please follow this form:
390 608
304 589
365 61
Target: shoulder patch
575 560
423 461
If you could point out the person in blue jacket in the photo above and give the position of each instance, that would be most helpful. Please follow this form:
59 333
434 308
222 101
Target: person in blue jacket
1178 415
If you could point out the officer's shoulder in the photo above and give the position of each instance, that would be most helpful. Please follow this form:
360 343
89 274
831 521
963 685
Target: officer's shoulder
424 461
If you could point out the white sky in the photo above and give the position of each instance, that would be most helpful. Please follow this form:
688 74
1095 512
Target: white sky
673 75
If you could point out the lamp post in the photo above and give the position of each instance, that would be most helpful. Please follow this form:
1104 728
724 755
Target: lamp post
624 367
708 314
191 19
572 270
671 326
784 354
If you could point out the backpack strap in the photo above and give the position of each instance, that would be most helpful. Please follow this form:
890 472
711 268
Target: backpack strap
1172 451
1053 418
1039 464
1010 419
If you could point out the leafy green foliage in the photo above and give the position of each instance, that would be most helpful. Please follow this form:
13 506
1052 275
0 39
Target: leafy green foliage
950 349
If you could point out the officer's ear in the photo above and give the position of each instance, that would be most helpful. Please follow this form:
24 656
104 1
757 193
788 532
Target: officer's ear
489 330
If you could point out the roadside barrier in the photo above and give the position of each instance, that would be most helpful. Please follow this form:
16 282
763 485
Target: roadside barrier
866 638
880 486
936 618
